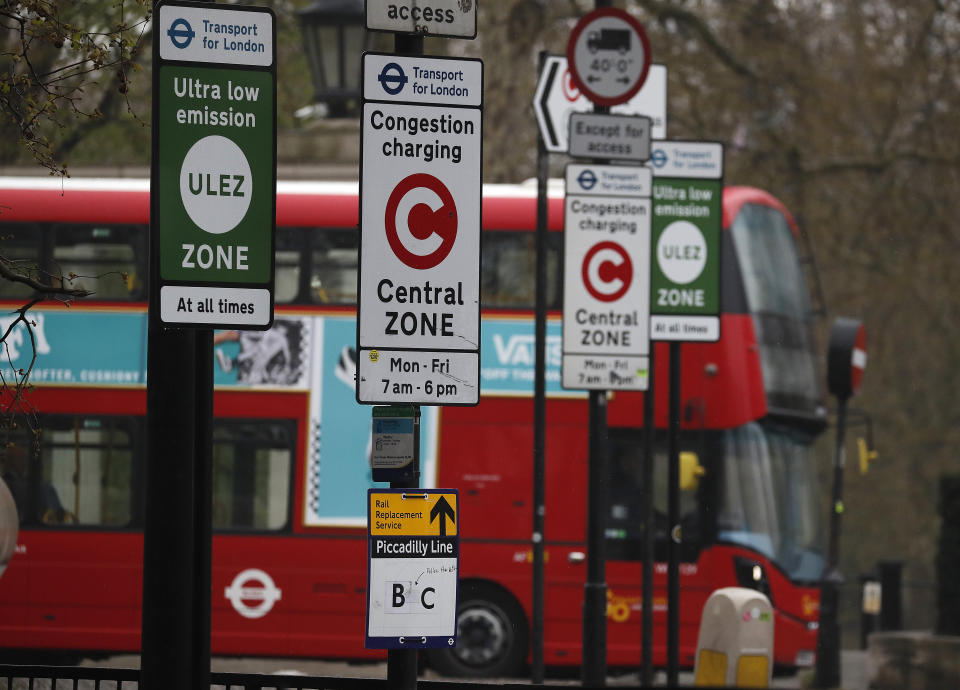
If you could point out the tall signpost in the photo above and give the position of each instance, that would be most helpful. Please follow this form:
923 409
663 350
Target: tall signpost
846 362
212 210
685 304
606 269
418 322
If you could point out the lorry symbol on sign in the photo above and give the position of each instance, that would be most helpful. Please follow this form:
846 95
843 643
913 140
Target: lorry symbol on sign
421 215
609 39
180 33
392 78
607 271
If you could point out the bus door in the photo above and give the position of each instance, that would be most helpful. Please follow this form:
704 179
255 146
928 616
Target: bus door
625 544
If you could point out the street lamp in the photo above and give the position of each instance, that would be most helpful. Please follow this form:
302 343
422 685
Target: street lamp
334 37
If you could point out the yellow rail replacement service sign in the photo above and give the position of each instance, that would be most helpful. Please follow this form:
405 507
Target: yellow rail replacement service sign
413 570
413 513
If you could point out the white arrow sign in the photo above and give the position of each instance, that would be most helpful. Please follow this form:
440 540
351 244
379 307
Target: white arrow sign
556 97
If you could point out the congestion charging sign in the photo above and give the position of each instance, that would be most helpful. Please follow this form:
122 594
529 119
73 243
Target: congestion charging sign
418 322
687 206
606 277
213 200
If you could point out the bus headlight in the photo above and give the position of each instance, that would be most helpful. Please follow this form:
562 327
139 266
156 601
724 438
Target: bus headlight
752 575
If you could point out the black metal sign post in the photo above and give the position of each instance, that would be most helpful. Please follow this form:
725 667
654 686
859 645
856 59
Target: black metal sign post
187 301
646 511
458 184
402 663
846 361
539 412
673 519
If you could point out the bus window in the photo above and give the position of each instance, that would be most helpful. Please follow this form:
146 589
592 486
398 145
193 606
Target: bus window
252 470
768 262
85 471
624 528
768 498
20 245
109 261
778 301
333 266
287 273
508 272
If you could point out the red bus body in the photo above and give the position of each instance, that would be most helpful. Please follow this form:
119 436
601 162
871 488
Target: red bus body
78 587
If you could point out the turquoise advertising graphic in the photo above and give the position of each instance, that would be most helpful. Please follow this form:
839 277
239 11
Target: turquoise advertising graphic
315 355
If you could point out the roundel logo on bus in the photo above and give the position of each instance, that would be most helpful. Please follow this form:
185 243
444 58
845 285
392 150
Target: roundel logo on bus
607 271
252 593
421 221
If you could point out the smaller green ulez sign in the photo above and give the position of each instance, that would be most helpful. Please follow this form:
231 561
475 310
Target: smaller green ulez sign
216 167
685 271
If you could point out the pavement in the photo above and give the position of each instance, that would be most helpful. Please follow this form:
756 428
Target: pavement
853 671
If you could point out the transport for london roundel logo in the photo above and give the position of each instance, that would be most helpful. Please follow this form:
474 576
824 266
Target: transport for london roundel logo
421 221
252 593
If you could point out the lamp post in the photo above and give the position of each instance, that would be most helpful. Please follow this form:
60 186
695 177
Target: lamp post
334 37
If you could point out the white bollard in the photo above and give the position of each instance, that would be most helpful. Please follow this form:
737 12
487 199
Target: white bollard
9 525
735 644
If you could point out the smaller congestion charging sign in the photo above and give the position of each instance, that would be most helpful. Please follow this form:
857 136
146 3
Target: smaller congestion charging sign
687 207
606 277
214 175
418 324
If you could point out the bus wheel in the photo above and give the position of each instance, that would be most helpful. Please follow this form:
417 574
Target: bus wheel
491 635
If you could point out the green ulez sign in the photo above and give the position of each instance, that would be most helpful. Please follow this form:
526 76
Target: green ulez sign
685 276
216 167
214 174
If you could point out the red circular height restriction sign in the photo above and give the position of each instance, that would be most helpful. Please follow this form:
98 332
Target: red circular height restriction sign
609 56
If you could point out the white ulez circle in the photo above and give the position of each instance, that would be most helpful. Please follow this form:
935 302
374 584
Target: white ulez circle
681 252
216 184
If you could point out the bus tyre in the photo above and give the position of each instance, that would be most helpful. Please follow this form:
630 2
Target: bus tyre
491 635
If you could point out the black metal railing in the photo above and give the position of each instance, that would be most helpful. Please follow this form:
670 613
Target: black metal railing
30 677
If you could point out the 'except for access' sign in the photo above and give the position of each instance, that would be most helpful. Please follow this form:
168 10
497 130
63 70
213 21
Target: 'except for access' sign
418 325
413 568
606 344
213 204
687 208
610 137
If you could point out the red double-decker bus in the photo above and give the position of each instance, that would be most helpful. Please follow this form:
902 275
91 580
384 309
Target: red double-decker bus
291 445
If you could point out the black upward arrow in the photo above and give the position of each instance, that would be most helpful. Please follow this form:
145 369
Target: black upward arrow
443 509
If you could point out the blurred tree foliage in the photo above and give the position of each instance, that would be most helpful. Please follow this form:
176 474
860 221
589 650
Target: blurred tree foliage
847 111
65 68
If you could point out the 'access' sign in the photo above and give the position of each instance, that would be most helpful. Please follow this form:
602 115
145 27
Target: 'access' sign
213 204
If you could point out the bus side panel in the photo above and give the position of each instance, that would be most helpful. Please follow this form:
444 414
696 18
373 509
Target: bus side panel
487 452
290 596
83 590
709 372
